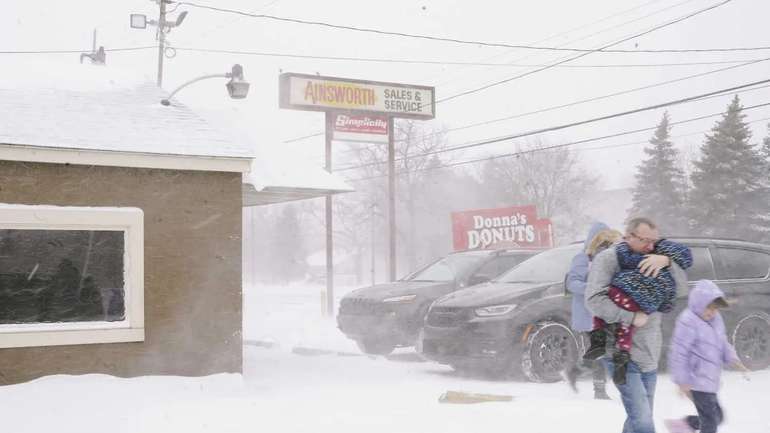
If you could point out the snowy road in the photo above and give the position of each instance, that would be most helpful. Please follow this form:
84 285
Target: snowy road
284 392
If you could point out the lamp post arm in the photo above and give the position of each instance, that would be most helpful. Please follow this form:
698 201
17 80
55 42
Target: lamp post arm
167 101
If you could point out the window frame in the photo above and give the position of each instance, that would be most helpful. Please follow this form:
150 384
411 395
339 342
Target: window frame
44 217
722 268
713 259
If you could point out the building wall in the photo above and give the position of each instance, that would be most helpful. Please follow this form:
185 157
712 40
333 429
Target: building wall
192 280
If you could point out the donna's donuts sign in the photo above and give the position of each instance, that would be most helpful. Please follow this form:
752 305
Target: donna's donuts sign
509 227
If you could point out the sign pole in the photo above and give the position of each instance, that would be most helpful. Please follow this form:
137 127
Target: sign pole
391 200
329 239
358 97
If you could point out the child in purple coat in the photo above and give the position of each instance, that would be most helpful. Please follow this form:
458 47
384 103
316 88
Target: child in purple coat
699 350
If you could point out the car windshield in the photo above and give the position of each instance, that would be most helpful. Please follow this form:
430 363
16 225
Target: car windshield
546 267
449 268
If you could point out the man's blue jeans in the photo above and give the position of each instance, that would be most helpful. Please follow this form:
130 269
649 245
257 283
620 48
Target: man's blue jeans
638 395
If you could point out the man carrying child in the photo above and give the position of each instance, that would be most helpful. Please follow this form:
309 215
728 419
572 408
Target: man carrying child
638 389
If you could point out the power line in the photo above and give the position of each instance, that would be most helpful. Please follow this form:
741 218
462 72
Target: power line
218 26
646 129
602 49
611 146
573 124
606 96
558 63
571 41
344 168
574 103
461 41
558 146
78 51
304 137
448 62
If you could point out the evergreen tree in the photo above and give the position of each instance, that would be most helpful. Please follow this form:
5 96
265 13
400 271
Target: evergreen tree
728 198
765 149
659 192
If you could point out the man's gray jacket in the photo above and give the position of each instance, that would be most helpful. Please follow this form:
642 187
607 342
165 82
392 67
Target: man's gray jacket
648 339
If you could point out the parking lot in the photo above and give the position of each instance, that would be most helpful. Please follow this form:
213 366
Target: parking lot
301 374
313 366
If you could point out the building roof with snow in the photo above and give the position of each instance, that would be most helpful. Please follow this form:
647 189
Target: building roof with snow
97 115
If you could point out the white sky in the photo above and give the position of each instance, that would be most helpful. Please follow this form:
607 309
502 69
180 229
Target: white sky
45 25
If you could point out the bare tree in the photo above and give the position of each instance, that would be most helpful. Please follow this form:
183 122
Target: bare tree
550 179
415 146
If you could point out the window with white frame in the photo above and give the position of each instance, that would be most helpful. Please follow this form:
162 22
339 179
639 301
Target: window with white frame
70 275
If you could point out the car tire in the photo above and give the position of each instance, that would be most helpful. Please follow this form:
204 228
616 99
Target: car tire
373 346
549 349
751 339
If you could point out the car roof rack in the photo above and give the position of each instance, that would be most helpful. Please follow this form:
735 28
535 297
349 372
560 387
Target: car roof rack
709 238
497 251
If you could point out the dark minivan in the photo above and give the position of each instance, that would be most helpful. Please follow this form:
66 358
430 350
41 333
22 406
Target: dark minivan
385 316
519 322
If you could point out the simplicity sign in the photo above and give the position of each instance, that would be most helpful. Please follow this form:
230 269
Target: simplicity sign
315 93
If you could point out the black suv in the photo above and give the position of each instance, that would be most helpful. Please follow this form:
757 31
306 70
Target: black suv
520 321
382 317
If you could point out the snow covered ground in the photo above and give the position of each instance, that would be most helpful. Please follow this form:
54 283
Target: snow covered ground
281 391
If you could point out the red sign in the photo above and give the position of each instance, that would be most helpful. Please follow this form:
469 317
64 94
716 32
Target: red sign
510 227
361 124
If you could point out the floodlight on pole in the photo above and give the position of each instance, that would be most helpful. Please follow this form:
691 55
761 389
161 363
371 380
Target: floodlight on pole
178 21
237 87
140 21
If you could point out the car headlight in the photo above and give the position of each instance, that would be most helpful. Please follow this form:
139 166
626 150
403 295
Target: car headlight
495 310
404 298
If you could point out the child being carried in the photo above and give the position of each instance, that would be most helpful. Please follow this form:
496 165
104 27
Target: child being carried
633 291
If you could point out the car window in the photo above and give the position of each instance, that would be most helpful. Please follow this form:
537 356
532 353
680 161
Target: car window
743 264
455 266
702 266
548 266
500 264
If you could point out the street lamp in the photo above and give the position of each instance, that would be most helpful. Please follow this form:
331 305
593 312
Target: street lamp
237 87
140 21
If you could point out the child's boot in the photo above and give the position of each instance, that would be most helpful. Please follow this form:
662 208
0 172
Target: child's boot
678 426
598 339
620 361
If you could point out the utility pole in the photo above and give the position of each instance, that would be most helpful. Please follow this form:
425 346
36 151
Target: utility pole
161 40
391 201
139 21
329 134
373 234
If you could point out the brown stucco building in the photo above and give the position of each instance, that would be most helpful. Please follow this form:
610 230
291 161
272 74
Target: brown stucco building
121 231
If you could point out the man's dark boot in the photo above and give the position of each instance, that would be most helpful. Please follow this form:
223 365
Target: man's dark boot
620 361
598 339
600 381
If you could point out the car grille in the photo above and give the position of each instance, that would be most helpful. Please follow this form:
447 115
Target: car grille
448 317
362 307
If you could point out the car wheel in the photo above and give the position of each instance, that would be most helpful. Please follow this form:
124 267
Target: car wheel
373 346
751 338
549 349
